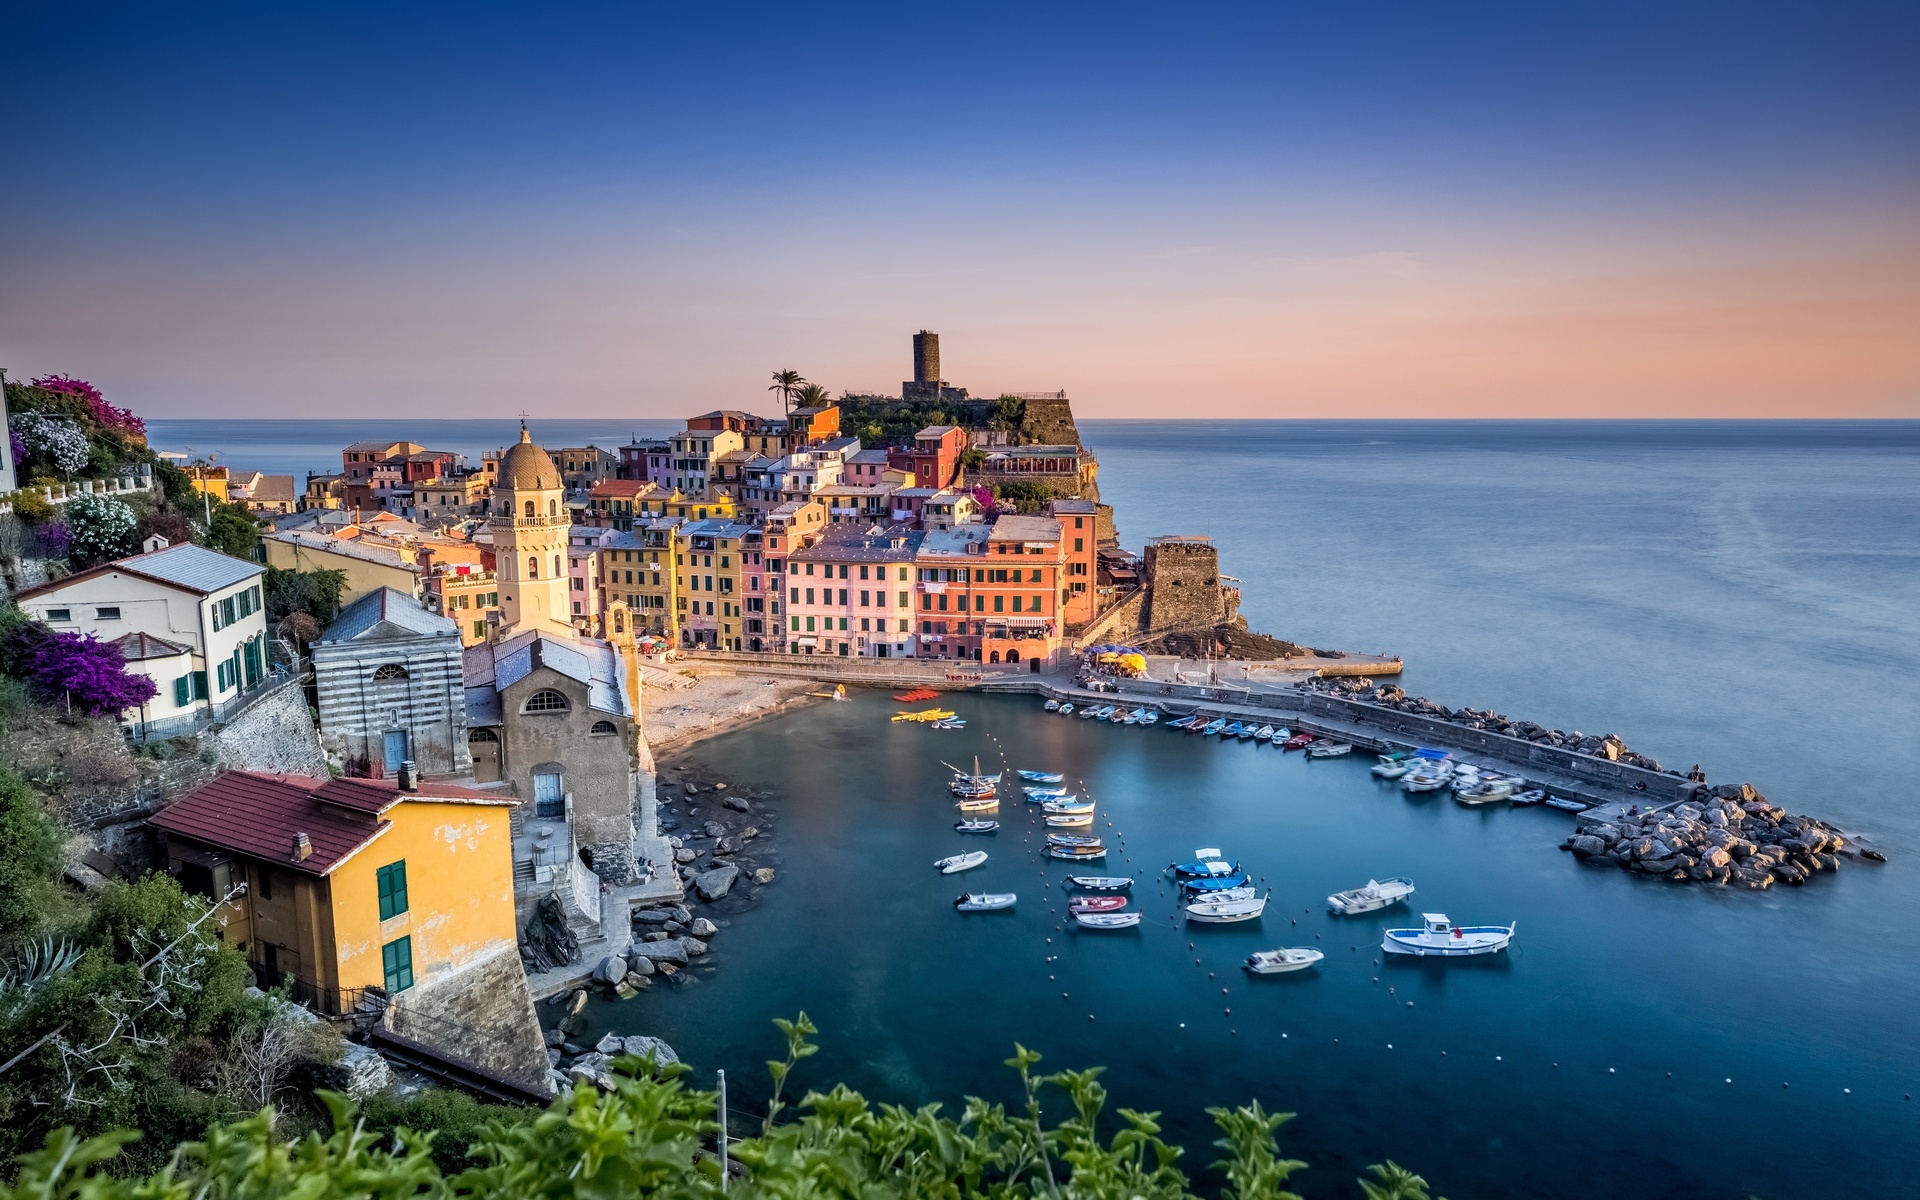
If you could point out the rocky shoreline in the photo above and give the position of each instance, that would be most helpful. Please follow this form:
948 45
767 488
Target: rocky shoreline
1731 835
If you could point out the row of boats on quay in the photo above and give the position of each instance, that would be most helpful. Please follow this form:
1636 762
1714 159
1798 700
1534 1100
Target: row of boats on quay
1118 714
1224 728
1420 771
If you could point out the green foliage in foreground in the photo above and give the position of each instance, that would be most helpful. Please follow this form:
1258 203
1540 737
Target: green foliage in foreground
653 1136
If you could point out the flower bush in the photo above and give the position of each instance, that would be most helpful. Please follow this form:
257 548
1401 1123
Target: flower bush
56 540
102 528
51 441
105 415
76 667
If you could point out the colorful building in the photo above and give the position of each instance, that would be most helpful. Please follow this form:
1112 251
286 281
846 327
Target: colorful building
943 592
1018 592
464 594
850 593
1079 522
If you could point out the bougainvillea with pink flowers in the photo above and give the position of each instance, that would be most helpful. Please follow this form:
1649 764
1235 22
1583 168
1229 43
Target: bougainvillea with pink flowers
76 668
105 415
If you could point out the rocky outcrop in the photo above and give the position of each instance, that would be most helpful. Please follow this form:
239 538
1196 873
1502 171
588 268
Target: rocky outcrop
1728 836
714 884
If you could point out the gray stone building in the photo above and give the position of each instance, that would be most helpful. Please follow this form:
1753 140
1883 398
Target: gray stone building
388 674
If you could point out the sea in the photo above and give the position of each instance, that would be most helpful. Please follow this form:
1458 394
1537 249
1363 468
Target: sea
1741 595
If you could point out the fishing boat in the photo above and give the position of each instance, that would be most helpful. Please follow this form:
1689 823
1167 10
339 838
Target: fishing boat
1050 706
1046 795
1565 804
1378 894
1248 730
1152 717
1225 912
1441 938
1214 726
1066 710
978 804
1206 864
1299 741
1080 904
1041 776
1066 805
975 786
961 862
1233 730
1125 920
1281 961
975 826
1221 883
1070 820
985 901
1530 796
1329 749
1280 736
1106 712
1089 711
1076 853
1486 791
1264 733
1101 883
1073 839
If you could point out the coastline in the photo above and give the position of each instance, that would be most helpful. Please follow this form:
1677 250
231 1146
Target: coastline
712 702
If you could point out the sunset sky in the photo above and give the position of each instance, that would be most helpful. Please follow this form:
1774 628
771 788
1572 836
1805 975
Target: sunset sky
1433 209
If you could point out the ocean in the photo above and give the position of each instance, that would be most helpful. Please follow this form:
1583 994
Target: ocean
1741 595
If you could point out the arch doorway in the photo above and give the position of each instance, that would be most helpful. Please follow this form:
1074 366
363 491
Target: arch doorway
1013 656
483 745
995 657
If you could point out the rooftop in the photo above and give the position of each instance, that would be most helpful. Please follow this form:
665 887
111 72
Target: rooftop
1025 529
855 543
137 647
386 606
497 666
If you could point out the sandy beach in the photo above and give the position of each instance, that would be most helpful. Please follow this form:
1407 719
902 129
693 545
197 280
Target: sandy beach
697 707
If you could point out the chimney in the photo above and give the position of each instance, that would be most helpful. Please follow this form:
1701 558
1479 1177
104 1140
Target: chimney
406 779
302 847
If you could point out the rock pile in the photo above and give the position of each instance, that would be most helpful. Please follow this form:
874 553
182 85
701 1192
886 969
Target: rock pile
1608 746
1731 835
569 1064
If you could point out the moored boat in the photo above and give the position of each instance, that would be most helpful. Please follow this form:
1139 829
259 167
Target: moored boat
1208 865
1440 938
1080 904
1066 710
1378 894
1329 749
1392 766
1283 960
1264 733
956 863
1530 796
1066 805
1566 804
985 901
1123 920
1070 820
1224 912
1041 776
1486 791
1298 741
1221 883
1101 883
1280 736
1214 726
1073 839
1050 706
1152 717
1051 791
975 826
978 804
1076 853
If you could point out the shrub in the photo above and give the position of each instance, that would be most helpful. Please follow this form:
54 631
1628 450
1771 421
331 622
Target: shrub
76 668
29 860
32 505
105 416
235 530
168 523
50 441
54 539
102 528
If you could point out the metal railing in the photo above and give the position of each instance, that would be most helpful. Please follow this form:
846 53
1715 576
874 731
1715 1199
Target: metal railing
205 717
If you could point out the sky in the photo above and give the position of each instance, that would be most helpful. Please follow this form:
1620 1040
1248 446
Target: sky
1433 209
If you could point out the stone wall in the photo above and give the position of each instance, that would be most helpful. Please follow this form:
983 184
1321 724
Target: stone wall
1049 421
428 701
481 1014
275 733
1183 585
596 770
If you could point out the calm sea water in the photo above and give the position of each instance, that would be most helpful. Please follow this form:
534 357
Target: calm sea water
1742 595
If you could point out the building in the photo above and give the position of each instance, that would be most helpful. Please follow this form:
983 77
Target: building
388 675
338 888
694 452
274 494
358 461
792 526
733 470
857 504
1018 592
215 483
709 568
166 663
581 467
530 526
1184 587
1054 471
614 503
586 597
9 473
370 563
850 593
934 457
943 592
948 508
450 499
186 595
643 461
466 596
1080 541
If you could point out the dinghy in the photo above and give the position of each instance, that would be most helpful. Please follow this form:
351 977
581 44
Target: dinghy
1378 893
1487 791
1067 805
1041 776
1443 939
1214 726
1107 920
1392 767
1070 820
1221 884
1066 710
1264 733
1566 805
1204 868
985 901
1152 717
1280 736
1080 904
1101 883
1226 912
976 826
978 804
1076 853
1530 796
1244 891
1050 706
1329 750
961 862
1277 962
1073 839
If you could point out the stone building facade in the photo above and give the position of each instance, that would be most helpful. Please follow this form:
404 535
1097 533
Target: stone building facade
1183 586
388 674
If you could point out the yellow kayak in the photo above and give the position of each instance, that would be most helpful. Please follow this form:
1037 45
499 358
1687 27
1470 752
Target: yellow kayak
931 714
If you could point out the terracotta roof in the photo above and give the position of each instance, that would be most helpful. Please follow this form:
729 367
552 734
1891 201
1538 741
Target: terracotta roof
136 647
261 815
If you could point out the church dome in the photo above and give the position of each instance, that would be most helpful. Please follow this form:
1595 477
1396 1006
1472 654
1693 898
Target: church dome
526 467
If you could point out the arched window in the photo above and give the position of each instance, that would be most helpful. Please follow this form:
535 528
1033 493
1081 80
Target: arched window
556 566
481 735
603 727
387 671
619 622
546 701
529 508
1013 656
533 567
553 508
996 657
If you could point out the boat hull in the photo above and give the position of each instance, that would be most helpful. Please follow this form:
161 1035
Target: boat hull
1076 853
1473 940
1101 883
1107 920
1272 962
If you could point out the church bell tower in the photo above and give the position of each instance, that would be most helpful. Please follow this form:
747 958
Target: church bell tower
530 523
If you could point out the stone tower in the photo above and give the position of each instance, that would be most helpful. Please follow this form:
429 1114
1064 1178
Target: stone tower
1184 590
530 523
926 358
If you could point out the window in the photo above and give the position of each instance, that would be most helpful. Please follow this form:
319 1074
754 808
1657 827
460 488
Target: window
479 629
546 700
533 568
59 614
386 671
396 959
182 691
227 614
223 675
603 727
999 604
107 614
391 880
905 601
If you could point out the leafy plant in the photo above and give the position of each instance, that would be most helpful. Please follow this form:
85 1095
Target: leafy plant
235 530
31 505
74 668
54 442
102 528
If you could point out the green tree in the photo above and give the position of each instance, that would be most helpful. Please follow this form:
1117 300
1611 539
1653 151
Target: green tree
315 593
786 382
29 862
812 395
234 530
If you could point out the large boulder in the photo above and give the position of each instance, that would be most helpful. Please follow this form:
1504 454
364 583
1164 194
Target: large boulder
591 1068
611 970
610 1044
714 829
652 916
641 1047
712 885
736 803
1716 857
703 928
641 964
693 946
669 951
1587 845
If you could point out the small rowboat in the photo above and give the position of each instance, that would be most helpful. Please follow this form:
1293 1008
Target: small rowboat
1393 767
1107 920
1442 939
985 901
1066 710
976 826
1276 962
978 804
1263 733
1221 884
1565 805
1101 883
1329 750
1378 893
1225 912
1077 820
1049 792
1281 735
1207 867
1214 726
917 695
1066 804
1530 796
1076 853
1080 904
1298 741
1051 706
961 862
1041 776
1072 839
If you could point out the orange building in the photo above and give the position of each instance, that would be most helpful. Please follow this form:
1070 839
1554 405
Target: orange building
1080 600
1018 592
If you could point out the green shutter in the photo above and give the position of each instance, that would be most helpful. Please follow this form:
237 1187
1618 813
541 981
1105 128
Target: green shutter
182 691
392 882
199 685
396 958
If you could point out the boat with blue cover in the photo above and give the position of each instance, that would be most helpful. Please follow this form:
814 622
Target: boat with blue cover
1207 863
1214 726
1041 776
1220 883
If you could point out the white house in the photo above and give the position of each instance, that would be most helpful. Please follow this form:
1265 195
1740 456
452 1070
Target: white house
207 602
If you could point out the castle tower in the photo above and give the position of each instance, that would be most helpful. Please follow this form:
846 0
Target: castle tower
530 523
926 358
1184 589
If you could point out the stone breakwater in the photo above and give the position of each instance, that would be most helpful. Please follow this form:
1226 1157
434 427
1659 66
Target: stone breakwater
1728 836
1609 746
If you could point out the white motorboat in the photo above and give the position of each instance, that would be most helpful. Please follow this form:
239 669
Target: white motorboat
1070 820
1102 883
1050 706
1119 920
1530 796
985 901
1441 938
1427 777
1487 791
1378 894
1276 962
1329 749
978 804
956 863
1222 912
1464 776
976 826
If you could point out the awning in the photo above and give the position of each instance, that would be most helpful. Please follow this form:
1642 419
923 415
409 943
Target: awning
806 641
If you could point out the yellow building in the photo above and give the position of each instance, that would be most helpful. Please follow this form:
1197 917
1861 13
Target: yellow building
370 564
637 569
686 506
464 598
349 884
209 481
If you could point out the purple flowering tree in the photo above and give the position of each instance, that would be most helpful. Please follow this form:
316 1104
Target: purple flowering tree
56 540
105 415
76 667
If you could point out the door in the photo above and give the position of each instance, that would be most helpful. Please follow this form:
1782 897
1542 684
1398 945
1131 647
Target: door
484 746
396 749
548 802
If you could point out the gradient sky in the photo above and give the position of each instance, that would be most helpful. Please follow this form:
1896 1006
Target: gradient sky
1323 210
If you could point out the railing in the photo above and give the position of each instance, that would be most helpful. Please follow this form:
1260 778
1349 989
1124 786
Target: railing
205 717
333 1002
62 493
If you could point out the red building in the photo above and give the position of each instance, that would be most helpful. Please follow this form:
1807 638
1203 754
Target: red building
1081 547
934 457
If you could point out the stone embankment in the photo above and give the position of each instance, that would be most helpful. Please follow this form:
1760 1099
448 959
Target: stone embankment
1609 746
1730 835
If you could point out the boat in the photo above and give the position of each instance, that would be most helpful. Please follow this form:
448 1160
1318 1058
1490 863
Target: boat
1264 733
1214 726
1392 767
975 786
961 862
1067 805
1080 904
1247 730
1070 820
1041 776
1101 883
1378 894
1427 777
1076 853
953 724
1233 730
1530 796
985 901
1279 962
1050 706
1048 791
1565 804
1280 736
1329 749
1225 912
1441 938
1207 865
916 695
1486 791
1465 775
975 826
1299 741
1073 839
1126 920
1244 891
926 715
1089 712
978 804
1066 710
1222 883
1152 717
1106 712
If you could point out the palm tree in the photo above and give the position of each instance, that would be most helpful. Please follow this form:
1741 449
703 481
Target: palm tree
786 382
813 396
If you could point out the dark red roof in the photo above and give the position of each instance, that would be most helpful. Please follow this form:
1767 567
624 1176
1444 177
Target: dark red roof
260 815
